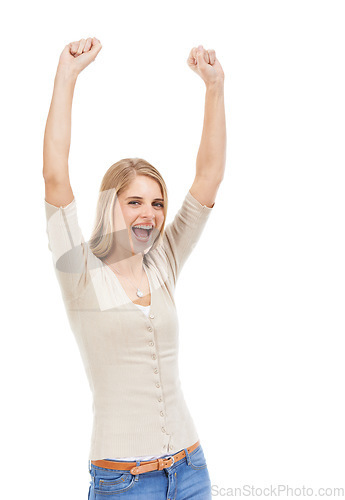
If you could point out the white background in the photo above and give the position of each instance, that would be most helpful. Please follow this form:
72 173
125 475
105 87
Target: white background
261 299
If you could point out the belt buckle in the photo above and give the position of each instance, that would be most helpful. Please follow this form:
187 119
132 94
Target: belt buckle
173 460
160 461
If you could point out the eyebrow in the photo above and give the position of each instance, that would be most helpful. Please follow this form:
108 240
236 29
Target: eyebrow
140 198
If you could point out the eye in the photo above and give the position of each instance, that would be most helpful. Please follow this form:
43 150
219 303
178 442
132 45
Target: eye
156 204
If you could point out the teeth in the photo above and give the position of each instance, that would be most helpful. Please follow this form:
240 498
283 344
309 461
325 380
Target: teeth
144 227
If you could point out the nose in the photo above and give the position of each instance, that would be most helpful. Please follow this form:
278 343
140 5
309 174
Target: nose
148 214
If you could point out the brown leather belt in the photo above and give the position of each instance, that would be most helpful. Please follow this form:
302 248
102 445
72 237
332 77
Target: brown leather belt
157 464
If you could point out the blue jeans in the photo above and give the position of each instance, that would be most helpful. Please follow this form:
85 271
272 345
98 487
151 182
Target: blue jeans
187 479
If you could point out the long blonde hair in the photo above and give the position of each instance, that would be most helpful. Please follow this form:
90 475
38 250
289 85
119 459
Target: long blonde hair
116 179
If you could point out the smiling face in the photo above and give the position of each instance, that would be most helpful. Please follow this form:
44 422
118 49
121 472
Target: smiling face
140 204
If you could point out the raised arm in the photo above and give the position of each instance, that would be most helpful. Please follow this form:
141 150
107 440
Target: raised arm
210 163
57 137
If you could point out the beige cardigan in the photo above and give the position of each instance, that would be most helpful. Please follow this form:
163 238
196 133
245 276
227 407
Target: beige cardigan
131 360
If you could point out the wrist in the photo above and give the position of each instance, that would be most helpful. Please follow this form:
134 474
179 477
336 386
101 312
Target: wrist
66 73
217 86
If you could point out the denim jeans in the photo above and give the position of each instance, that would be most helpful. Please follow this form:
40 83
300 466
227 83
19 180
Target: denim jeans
187 479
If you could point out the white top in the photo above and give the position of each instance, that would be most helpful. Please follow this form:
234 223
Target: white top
145 309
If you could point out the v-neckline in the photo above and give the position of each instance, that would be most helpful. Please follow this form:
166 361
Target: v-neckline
124 294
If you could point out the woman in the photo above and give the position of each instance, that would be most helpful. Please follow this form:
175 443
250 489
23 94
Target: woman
118 290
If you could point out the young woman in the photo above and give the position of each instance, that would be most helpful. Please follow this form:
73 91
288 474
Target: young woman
118 290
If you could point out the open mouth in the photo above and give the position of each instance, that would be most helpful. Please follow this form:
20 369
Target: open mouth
142 234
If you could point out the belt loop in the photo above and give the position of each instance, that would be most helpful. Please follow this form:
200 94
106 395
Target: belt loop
92 481
137 475
187 456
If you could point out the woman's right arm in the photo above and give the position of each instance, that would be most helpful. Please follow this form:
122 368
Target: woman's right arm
72 258
57 137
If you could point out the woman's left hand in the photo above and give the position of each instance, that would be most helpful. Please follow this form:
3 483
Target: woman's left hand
206 65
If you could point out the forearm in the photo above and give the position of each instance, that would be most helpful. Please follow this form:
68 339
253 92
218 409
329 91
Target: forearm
57 136
210 161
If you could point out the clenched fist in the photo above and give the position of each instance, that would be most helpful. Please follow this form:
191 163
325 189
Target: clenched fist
77 55
206 65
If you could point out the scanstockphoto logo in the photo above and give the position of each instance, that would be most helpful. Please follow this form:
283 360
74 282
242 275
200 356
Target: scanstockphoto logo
279 490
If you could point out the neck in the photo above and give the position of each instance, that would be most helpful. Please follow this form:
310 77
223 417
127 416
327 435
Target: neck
130 266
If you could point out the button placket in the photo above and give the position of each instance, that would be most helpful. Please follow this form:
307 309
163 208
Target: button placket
156 371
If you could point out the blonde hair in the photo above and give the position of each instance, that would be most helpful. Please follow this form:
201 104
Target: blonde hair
117 179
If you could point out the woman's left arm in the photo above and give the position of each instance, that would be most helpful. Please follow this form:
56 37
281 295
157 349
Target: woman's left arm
210 163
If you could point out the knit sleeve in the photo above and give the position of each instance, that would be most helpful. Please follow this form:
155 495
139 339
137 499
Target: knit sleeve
71 255
183 233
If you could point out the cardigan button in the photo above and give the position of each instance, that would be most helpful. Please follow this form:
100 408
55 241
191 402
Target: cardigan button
162 414
151 343
163 430
156 370
158 384
149 329
152 316
154 356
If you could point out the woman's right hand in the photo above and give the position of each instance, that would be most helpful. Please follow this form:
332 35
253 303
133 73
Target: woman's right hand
77 55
